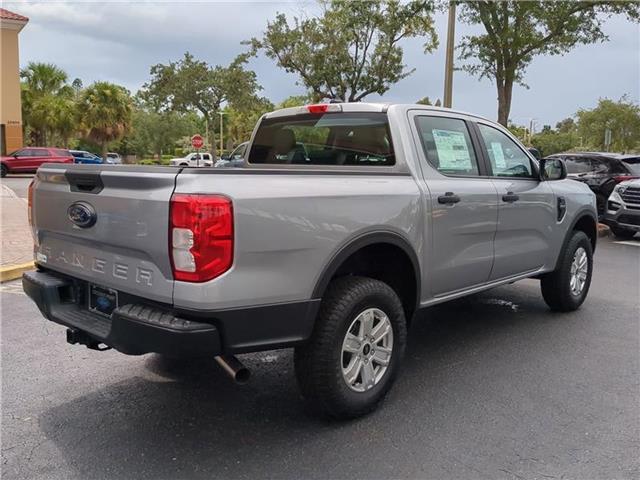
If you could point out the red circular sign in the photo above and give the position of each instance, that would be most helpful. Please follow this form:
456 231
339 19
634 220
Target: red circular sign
197 141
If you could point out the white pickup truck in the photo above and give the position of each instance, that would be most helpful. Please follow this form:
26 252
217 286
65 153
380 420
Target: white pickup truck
194 159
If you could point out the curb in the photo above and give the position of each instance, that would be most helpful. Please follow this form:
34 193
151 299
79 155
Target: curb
13 272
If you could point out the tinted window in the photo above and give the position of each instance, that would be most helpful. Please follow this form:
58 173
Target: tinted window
350 139
578 165
601 166
632 165
506 157
447 145
62 153
33 152
239 151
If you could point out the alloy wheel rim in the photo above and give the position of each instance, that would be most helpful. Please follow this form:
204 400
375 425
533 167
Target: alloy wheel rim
366 350
579 271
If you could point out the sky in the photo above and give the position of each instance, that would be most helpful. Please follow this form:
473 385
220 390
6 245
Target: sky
118 41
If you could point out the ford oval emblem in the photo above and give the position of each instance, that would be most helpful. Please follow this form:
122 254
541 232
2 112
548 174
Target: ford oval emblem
82 214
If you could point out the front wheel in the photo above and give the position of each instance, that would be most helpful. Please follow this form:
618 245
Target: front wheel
566 288
356 349
4 170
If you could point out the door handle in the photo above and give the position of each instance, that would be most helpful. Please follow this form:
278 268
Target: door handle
510 197
448 198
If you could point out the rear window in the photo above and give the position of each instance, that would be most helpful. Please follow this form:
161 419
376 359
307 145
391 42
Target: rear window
61 153
578 164
350 139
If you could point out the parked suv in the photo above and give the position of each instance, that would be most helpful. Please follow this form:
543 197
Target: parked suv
601 171
329 250
27 160
623 209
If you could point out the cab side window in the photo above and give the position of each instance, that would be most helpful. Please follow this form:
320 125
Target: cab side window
506 157
447 145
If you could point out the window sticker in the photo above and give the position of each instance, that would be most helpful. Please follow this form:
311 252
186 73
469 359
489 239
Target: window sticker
453 152
498 155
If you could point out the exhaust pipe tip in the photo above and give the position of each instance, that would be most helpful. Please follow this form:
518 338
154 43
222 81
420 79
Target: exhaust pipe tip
234 368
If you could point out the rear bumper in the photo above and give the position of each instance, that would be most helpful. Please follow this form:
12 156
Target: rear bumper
137 327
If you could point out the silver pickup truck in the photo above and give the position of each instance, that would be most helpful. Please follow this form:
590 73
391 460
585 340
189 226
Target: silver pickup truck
345 220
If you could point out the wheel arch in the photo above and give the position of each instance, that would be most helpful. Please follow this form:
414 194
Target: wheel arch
367 244
585 221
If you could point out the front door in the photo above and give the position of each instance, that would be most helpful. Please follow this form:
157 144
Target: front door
526 206
462 205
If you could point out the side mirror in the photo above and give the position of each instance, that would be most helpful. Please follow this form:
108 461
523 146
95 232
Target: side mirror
535 152
552 169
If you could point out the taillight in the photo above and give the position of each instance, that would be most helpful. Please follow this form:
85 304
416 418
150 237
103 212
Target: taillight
30 203
200 236
323 108
623 178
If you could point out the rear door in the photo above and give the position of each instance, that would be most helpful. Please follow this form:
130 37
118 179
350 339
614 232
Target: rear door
526 206
463 204
127 246
24 160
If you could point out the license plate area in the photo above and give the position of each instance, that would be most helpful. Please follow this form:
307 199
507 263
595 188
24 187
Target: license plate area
102 300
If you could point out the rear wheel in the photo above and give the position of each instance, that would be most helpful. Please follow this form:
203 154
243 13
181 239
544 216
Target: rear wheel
622 233
4 171
566 288
356 349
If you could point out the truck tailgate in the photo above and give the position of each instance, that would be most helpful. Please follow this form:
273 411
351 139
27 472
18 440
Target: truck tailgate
127 246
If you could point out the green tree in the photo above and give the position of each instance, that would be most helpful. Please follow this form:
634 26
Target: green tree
295 101
192 85
566 126
158 132
427 101
47 102
240 122
353 49
105 113
551 141
621 117
517 31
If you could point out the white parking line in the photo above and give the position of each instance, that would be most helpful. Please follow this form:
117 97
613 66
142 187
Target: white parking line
634 243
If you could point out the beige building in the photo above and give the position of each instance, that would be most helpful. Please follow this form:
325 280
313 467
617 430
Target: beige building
10 105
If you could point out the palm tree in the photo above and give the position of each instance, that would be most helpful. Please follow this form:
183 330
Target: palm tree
105 113
44 88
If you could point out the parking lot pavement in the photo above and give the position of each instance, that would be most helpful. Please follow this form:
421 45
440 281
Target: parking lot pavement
17 244
494 386
18 183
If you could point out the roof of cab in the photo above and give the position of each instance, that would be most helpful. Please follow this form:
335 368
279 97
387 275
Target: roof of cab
369 107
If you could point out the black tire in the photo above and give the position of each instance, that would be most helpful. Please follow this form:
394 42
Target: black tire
3 171
556 286
622 233
318 363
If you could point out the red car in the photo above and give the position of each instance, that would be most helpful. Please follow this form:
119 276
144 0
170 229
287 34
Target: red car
28 159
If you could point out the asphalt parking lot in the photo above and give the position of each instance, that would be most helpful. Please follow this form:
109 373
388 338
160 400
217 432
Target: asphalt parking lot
494 386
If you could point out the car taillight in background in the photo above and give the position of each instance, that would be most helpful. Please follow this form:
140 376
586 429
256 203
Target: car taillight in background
200 236
624 178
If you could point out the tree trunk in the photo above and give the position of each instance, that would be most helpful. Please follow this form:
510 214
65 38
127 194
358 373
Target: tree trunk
103 150
505 89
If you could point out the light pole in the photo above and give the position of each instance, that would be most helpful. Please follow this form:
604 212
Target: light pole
221 133
448 67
